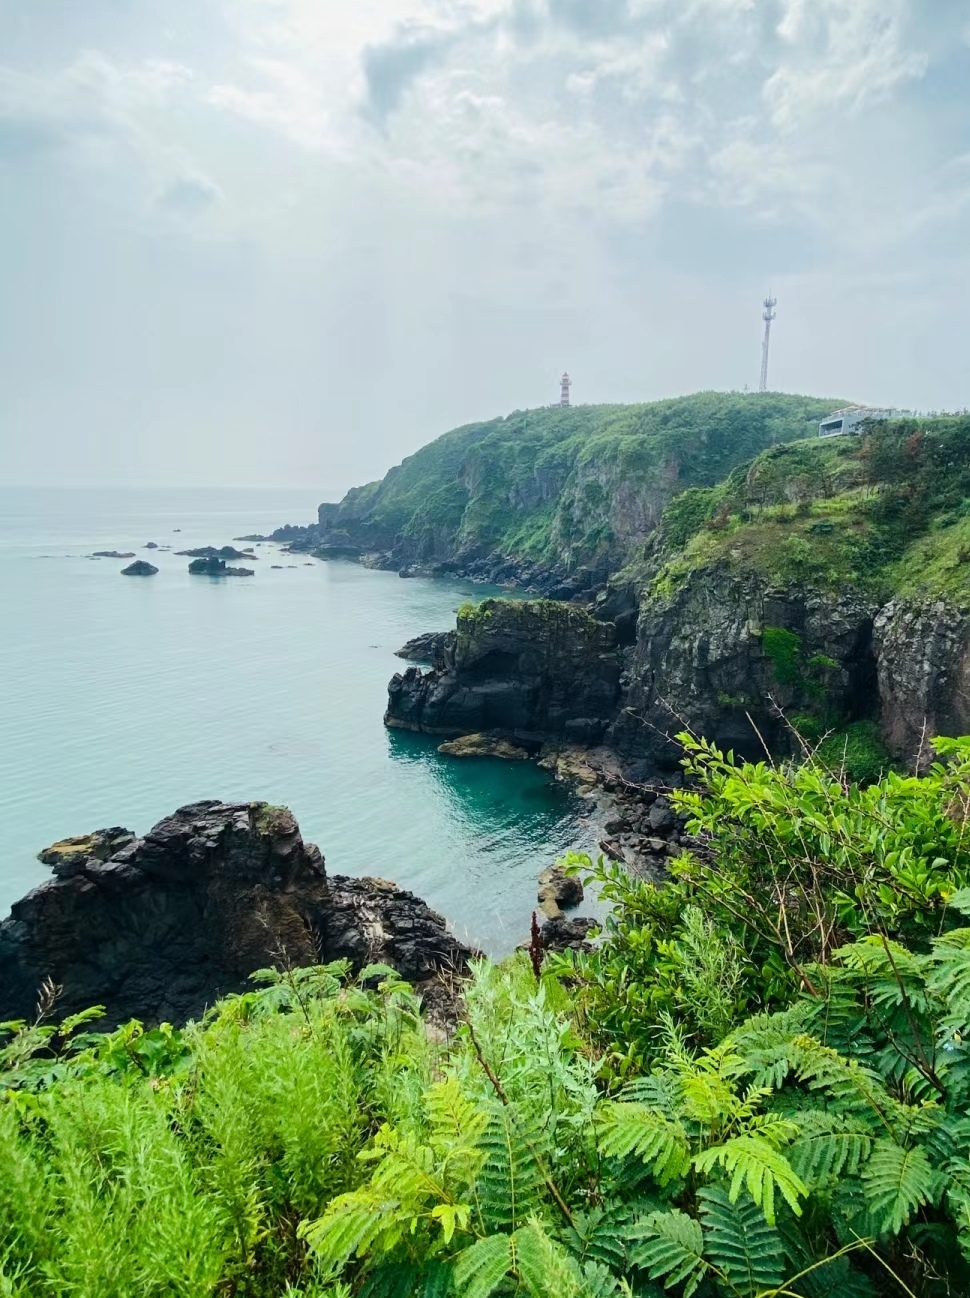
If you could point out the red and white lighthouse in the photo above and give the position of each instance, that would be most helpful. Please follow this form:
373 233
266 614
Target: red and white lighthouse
564 390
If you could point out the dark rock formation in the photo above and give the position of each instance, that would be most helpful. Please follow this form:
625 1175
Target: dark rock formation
526 669
923 664
221 552
702 660
151 545
113 554
562 934
213 567
140 568
429 647
157 928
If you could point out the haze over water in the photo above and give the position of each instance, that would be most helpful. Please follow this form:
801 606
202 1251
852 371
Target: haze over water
124 698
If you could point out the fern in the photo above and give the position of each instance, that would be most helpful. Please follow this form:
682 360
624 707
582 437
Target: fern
897 1182
669 1246
739 1243
950 979
511 1183
828 1145
754 1164
482 1267
626 1129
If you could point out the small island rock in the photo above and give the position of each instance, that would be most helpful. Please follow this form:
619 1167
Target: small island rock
213 567
113 554
140 568
151 545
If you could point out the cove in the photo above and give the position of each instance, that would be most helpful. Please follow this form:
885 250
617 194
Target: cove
122 698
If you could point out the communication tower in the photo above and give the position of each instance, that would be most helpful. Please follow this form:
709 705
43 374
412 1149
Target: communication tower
566 382
769 314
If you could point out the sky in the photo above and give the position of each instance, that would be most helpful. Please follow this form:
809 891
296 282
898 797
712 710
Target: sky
287 242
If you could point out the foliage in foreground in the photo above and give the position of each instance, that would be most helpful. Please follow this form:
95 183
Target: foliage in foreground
621 1125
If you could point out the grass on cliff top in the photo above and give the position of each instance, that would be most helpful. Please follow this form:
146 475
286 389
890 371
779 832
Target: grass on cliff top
513 484
937 566
887 513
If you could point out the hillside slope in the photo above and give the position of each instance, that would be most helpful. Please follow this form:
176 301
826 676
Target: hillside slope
553 490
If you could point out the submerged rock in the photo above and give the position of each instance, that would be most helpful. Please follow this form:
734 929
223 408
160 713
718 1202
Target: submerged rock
213 567
528 669
158 927
140 568
483 746
113 554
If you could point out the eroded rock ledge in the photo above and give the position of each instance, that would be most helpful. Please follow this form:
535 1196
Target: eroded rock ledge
157 928
525 669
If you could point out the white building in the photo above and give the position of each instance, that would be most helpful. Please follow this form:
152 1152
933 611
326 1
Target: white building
851 419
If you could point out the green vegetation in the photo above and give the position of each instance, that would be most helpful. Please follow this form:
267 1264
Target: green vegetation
887 512
758 1086
568 486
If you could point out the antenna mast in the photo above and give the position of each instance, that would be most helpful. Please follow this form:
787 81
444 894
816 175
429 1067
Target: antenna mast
769 314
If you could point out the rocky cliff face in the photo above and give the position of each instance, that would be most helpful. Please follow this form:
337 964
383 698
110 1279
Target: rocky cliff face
923 657
532 669
159 927
725 647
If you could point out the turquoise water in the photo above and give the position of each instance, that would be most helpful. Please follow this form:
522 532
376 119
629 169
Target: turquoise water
123 698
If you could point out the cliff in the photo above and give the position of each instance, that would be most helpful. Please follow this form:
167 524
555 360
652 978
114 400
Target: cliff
822 588
552 499
157 928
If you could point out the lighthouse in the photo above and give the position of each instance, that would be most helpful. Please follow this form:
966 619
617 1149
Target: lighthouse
564 390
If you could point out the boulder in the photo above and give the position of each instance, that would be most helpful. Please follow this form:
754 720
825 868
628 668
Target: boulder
557 886
484 746
151 545
561 934
140 568
158 927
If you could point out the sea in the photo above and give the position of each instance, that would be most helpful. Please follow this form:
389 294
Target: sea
122 698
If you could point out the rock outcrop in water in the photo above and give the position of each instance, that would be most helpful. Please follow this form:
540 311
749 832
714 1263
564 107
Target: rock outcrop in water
140 568
525 669
484 746
213 567
217 552
158 927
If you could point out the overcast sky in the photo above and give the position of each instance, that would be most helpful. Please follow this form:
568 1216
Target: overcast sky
290 241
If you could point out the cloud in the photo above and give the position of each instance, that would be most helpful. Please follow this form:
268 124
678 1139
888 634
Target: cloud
189 196
104 115
389 68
